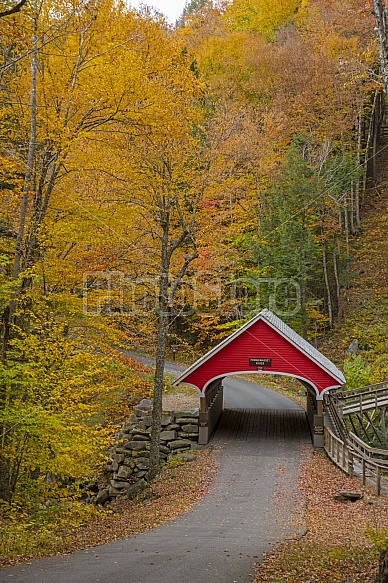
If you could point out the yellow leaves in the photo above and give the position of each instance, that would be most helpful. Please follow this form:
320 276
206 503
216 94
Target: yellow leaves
319 320
263 16
113 65
66 389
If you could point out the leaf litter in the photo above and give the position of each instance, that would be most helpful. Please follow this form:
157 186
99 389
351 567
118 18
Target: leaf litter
333 546
174 491
330 545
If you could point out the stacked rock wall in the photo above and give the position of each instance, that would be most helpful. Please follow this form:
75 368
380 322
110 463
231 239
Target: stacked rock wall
127 468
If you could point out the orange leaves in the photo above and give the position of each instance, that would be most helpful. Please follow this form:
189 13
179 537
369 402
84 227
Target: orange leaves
320 556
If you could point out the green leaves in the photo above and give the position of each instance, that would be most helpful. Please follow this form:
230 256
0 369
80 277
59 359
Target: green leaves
357 372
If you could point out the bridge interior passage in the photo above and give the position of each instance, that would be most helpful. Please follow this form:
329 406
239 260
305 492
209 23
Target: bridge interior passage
264 345
263 424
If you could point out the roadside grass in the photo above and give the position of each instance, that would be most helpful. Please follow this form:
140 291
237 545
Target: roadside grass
169 389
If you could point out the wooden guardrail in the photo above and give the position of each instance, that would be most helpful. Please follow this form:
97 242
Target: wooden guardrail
363 398
346 395
345 448
355 457
373 461
337 450
335 409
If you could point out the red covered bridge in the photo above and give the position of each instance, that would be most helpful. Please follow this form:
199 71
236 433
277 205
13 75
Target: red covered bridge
264 345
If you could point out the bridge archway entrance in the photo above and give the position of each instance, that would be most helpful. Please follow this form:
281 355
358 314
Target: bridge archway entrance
264 345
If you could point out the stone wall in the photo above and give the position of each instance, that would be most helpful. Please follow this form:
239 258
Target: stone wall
126 470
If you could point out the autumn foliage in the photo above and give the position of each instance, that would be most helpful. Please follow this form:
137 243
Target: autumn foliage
159 186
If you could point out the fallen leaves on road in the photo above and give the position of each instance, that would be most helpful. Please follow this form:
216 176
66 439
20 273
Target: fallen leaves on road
336 548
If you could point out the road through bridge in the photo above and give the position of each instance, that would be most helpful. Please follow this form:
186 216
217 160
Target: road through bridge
259 442
251 505
264 345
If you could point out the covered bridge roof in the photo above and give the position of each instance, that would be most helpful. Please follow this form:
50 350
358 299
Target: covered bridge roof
265 344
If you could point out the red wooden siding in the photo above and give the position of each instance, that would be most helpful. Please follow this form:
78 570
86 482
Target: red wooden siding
260 341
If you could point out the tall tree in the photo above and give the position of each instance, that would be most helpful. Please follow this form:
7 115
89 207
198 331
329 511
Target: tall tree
380 11
83 80
154 172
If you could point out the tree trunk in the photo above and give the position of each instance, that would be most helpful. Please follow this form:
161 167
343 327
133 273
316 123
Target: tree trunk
9 311
346 221
161 342
30 155
352 208
380 12
369 139
382 577
5 486
337 283
167 289
358 160
378 115
327 284
158 394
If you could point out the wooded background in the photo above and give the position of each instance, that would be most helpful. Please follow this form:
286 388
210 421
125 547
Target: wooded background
160 186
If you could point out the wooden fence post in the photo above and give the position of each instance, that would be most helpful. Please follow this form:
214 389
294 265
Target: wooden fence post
350 463
378 480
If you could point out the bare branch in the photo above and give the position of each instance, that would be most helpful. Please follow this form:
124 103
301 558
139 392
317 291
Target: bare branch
177 280
13 10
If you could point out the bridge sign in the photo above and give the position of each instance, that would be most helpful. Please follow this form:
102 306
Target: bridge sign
286 353
260 362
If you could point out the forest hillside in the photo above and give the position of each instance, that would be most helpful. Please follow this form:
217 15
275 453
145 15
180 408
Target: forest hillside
364 298
159 186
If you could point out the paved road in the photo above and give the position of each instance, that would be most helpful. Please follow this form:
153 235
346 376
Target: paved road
238 393
242 394
246 510
173 368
